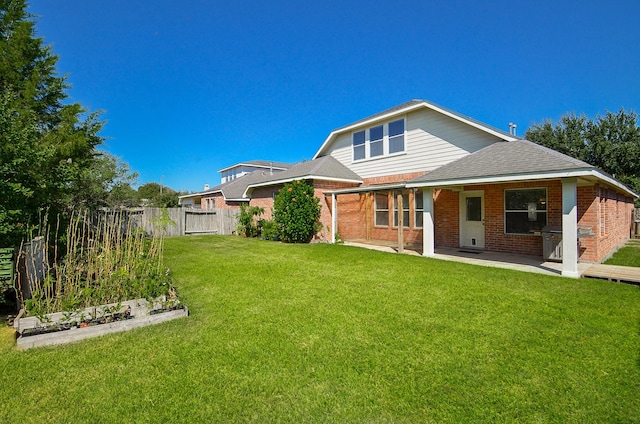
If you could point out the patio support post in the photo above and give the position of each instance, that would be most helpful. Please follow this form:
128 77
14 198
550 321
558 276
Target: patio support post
400 222
334 216
570 228
428 238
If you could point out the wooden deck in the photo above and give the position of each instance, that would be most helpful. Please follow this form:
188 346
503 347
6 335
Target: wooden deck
617 273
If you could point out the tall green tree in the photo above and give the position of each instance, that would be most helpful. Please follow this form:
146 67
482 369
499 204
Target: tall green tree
47 145
610 142
157 195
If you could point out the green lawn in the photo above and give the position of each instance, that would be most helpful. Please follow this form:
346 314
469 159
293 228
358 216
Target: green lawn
629 255
331 333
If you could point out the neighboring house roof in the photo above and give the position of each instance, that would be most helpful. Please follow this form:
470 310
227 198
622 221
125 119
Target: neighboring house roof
510 161
326 168
259 164
409 107
234 190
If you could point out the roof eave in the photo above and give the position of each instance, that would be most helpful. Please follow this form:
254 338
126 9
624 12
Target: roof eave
253 165
489 179
365 189
250 187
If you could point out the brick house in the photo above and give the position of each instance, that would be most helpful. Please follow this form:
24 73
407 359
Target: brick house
435 178
233 182
424 175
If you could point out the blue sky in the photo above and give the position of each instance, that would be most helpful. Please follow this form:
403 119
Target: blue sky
191 87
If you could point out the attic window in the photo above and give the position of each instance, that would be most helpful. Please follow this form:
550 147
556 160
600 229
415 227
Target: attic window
381 140
376 145
358 145
396 136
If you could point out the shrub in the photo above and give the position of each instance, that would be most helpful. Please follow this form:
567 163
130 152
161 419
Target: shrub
249 222
270 230
296 211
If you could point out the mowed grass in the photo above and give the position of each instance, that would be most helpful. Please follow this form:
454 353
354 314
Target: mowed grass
629 255
330 333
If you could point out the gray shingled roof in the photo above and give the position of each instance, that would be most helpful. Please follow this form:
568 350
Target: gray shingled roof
234 189
505 158
325 166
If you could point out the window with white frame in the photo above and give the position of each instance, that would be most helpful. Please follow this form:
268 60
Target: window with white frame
418 207
525 210
380 140
396 136
405 209
382 209
376 143
359 145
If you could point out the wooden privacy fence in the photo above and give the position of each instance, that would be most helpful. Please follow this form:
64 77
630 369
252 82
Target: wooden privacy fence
187 221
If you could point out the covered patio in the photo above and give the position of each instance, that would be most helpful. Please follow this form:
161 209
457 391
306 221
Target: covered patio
482 258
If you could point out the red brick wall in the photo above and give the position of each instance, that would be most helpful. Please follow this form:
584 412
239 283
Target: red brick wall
356 219
446 218
319 187
217 201
263 197
387 179
606 212
613 212
353 210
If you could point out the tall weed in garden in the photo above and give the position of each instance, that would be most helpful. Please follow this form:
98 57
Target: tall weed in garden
106 259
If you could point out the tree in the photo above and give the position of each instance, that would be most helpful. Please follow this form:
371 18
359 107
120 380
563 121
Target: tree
46 145
296 211
107 183
610 142
157 195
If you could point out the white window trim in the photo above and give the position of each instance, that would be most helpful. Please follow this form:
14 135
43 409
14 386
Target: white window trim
385 141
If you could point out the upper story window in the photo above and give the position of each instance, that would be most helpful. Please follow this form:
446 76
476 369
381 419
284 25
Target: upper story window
376 143
358 145
396 136
385 139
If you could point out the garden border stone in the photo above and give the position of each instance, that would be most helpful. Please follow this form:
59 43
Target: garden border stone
139 312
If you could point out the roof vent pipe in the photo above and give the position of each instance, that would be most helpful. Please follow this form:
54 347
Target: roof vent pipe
206 187
512 129
270 168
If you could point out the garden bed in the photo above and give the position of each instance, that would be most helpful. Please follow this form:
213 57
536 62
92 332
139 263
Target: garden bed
66 327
